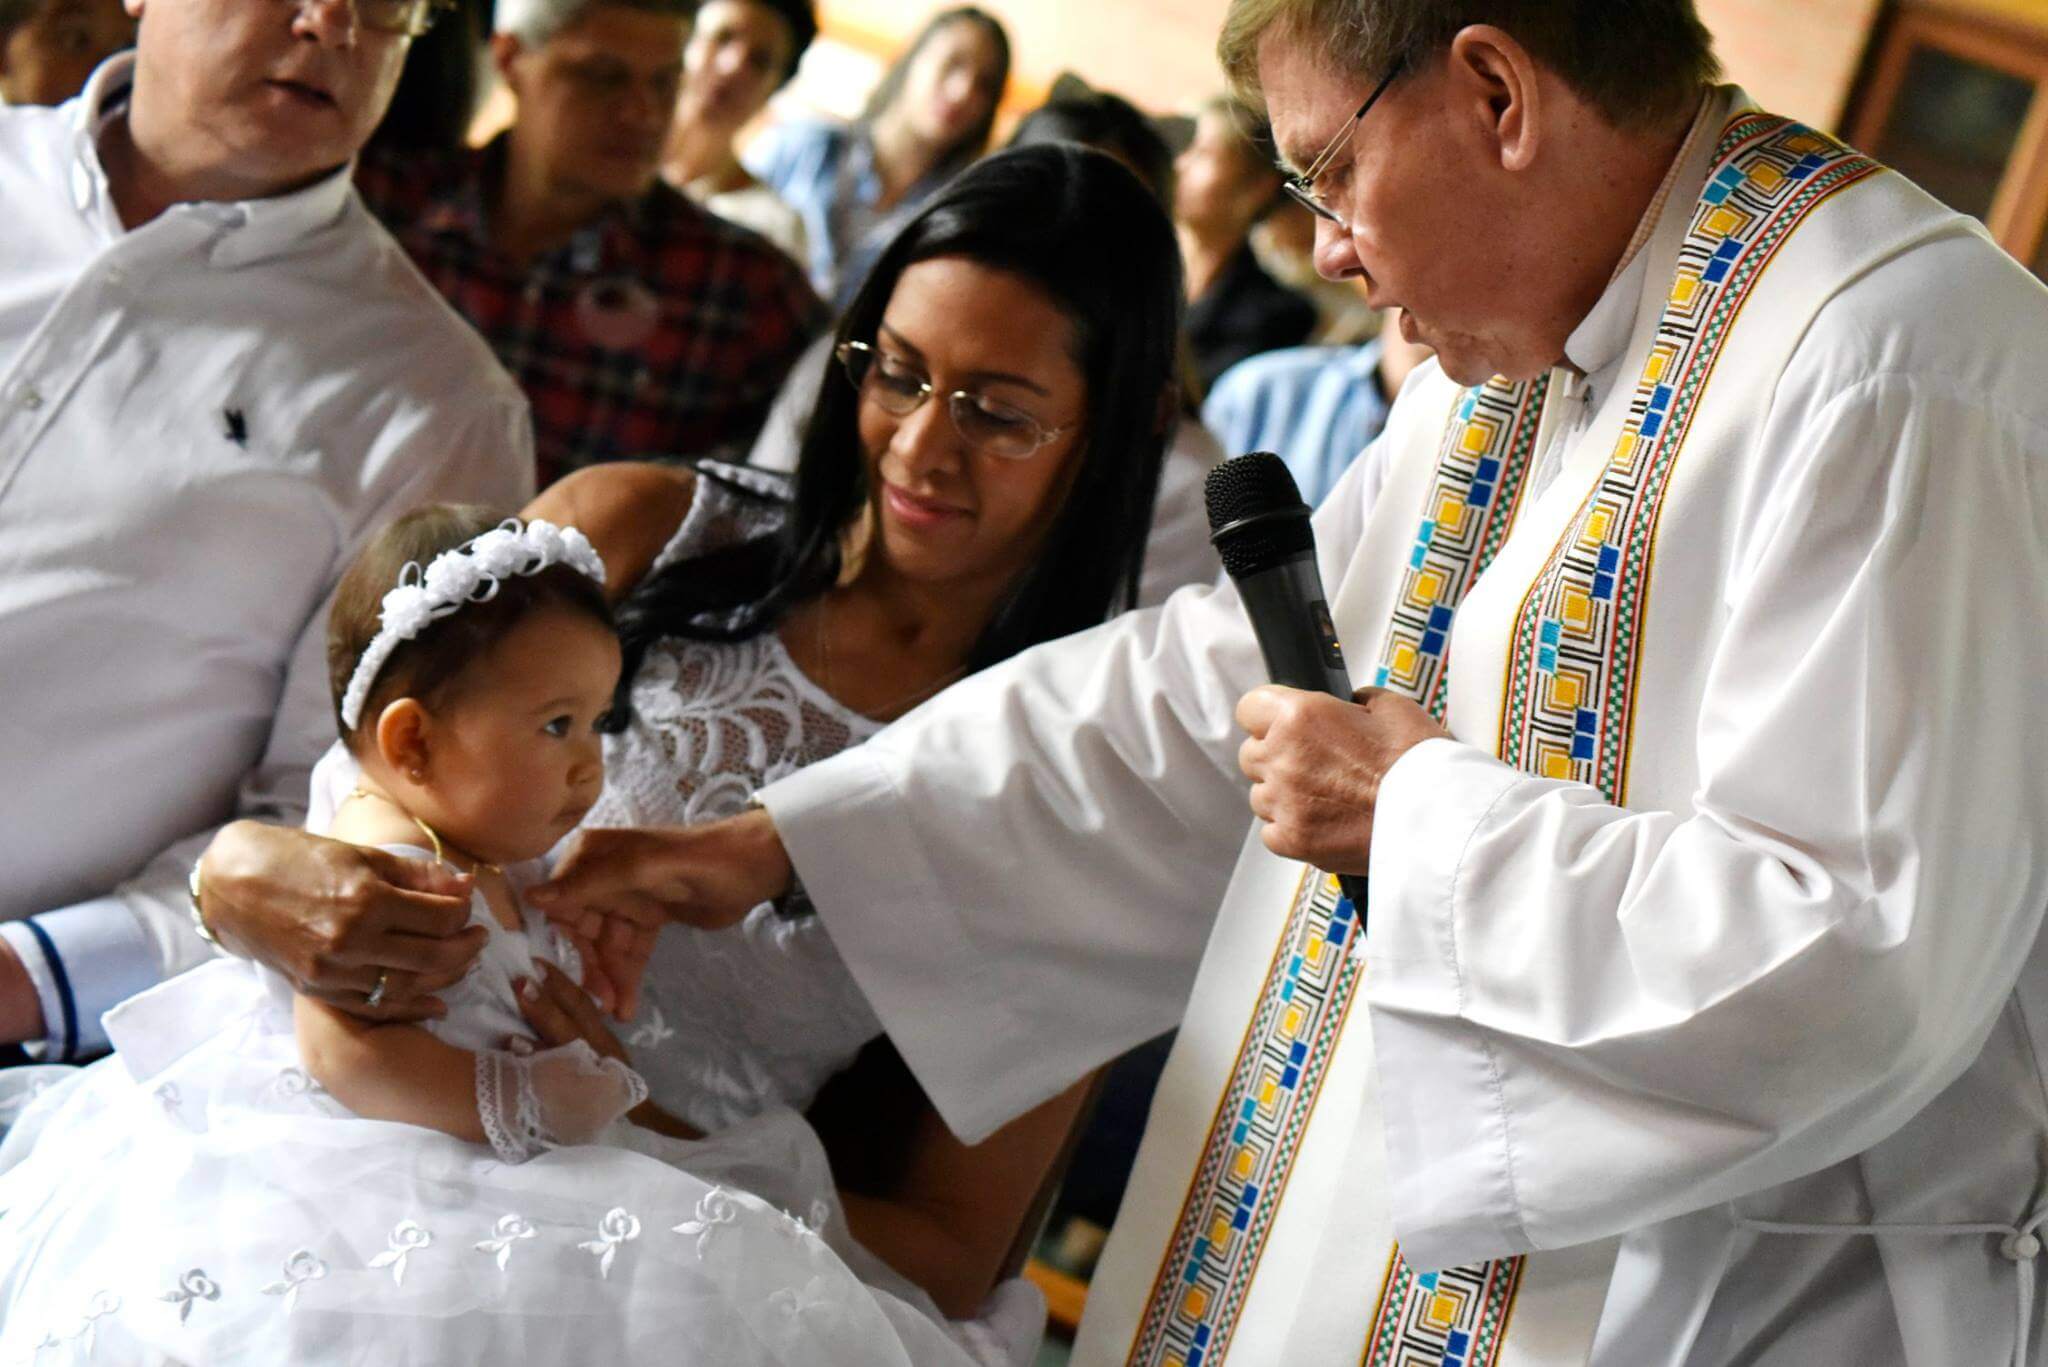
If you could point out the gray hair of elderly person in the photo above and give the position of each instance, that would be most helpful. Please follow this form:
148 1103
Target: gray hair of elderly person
534 22
1639 62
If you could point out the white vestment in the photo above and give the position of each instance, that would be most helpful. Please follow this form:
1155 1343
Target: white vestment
1744 952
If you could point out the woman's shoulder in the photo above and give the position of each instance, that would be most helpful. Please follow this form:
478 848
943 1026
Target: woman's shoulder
629 509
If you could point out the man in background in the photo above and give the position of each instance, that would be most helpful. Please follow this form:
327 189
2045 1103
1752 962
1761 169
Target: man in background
49 47
636 322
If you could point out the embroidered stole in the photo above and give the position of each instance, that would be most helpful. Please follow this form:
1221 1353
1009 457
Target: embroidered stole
1570 692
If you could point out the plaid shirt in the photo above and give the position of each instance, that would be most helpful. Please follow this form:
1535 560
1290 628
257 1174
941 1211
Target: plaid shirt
659 329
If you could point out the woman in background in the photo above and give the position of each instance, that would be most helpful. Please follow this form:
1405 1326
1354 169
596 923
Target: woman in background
739 54
856 184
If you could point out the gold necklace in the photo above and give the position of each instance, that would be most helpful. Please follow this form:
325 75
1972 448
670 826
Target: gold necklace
440 856
821 647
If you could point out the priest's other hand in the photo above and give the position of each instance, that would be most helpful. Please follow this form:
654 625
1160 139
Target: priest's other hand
334 918
1316 762
617 887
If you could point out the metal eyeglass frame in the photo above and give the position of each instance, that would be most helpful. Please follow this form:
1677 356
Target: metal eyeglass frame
1301 188
858 359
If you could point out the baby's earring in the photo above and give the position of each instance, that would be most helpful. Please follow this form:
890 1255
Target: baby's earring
417 774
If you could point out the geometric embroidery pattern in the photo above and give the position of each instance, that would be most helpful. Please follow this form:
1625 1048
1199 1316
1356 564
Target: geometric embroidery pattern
1255 1134
1571 687
1480 474
1453 1318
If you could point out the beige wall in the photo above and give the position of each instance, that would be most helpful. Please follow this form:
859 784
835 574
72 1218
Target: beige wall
1796 57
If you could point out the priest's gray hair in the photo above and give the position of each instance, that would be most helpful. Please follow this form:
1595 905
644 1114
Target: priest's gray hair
1639 62
534 22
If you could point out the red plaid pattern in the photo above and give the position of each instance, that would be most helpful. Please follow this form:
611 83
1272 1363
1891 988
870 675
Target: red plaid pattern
658 330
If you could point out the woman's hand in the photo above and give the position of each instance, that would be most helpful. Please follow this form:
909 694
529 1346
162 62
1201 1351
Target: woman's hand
616 888
333 918
561 1013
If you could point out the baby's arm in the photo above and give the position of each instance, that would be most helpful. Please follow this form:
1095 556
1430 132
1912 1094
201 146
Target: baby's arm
390 1072
519 1104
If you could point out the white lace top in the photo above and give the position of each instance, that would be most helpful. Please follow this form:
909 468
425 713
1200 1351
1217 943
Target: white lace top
731 1022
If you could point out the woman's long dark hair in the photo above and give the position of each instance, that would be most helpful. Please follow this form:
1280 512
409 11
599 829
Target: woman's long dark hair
1079 226
975 140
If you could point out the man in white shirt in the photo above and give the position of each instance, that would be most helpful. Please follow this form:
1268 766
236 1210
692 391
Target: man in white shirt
218 376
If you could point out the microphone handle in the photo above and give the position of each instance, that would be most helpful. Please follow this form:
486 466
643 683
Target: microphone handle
1300 654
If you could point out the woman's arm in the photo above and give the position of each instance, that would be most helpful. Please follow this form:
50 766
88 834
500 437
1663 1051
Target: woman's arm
629 510
389 1071
958 1208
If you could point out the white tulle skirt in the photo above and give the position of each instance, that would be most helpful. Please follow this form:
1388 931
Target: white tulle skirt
210 1205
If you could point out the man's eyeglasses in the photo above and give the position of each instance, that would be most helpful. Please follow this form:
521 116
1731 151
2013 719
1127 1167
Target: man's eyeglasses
1302 188
407 18
984 423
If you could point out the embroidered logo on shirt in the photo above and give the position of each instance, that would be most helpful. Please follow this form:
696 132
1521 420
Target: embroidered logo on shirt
237 426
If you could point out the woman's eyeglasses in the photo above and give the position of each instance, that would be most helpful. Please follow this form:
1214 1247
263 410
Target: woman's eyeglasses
986 424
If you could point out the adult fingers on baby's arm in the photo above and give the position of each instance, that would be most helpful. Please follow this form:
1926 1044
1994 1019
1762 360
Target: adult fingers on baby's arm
405 1000
425 956
545 1014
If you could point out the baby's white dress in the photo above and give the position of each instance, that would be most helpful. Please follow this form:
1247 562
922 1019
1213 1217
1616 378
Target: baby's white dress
197 1198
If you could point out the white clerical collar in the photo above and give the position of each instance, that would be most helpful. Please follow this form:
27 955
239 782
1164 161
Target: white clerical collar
253 229
1602 335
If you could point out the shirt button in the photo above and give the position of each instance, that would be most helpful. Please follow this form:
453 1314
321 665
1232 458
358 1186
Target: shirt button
2020 1247
29 398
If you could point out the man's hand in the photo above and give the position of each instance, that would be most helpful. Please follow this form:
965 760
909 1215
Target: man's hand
1316 762
331 917
21 1011
616 888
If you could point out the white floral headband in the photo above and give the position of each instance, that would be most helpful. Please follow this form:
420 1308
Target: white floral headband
468 574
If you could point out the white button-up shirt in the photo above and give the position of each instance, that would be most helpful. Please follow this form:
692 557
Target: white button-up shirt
201 422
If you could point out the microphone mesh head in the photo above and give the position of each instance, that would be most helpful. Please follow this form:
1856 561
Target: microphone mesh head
1256 486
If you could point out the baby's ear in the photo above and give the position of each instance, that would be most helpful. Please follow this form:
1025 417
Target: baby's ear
403 729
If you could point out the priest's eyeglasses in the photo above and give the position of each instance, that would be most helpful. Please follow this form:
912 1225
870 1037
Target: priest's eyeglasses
986 424
1302 188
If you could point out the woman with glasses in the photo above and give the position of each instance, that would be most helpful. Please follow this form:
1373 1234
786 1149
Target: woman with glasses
977 477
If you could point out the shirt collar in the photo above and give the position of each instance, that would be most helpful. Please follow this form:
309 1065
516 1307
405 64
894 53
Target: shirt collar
459 206
251 230
1602 335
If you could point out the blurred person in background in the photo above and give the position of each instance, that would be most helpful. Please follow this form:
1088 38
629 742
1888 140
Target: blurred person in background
1226 182
49 47
740 53
855 184
1316 407
1077 112
1285 244
637 323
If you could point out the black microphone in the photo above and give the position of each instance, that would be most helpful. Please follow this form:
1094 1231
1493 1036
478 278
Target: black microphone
1260 528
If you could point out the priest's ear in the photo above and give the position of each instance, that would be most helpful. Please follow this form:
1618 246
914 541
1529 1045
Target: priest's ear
1497 85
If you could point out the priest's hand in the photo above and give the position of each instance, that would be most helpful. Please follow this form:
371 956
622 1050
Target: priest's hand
337 919
1316 762
616 888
